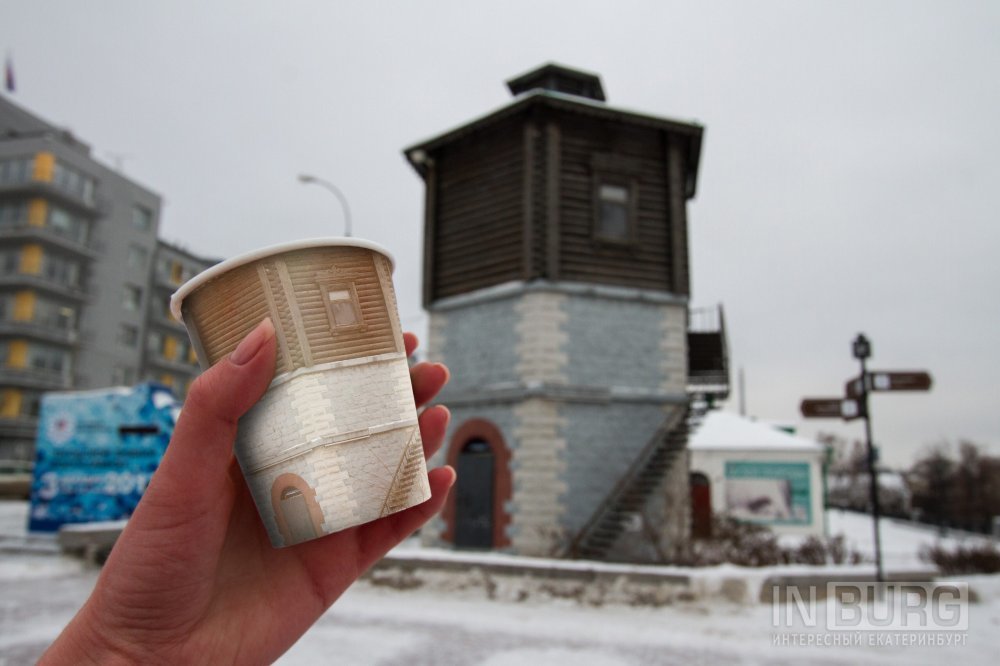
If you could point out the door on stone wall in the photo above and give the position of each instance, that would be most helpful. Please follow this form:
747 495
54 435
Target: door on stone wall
701 506
296 514
474 496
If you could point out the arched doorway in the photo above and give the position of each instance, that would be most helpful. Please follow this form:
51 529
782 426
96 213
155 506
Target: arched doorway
296 514
480 499
295 509
474 496
701 506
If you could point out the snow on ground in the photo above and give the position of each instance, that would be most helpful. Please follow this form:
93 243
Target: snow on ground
374 624
902 541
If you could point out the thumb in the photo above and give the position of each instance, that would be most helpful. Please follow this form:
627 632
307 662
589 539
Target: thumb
196 464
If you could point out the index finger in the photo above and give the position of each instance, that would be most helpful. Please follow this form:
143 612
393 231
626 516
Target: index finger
410 343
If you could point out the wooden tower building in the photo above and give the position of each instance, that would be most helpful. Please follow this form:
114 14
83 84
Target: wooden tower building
557 280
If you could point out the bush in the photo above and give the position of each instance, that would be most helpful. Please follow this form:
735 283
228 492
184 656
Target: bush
981 558
751 545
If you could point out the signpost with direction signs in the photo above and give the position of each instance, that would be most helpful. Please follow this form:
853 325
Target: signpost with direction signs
831 408
879 380
854 405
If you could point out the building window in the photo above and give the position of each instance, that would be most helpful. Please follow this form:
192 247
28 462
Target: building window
13 214
614 215
32 403
131 297
55 315
142 218
342 307
183 350
154 343
123 375
10 261
138 256
67 224
47 359
10 403
128 335
170 348
73 182
60 270
15 170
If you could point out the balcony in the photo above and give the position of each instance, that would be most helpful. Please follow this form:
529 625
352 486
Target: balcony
46 332
45 380
182 368
50 191
18 427
20 230
166 321
166 282
708 354
15 278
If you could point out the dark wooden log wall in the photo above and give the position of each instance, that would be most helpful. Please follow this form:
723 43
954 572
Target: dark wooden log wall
589 147
479 211
516 201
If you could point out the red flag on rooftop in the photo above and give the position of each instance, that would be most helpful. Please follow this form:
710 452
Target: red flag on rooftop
8 74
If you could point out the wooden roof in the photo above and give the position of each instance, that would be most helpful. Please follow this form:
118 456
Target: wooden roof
559 79
417 154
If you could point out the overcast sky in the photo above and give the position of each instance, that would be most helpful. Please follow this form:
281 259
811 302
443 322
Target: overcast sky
850 176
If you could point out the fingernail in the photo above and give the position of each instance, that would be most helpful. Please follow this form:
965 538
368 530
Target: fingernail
251 344
444 369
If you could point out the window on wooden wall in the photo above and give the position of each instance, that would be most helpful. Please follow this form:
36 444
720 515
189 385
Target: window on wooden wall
342 306
614 210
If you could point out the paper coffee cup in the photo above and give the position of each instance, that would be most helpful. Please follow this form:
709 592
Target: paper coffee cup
334 442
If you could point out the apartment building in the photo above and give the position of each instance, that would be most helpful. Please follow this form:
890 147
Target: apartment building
82 277
169 357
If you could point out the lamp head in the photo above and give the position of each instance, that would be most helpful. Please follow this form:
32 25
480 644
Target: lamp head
861 347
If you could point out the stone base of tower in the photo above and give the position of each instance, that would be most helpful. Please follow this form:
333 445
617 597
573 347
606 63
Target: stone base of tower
556 390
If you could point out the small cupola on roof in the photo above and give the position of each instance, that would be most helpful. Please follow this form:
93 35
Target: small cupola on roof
559 79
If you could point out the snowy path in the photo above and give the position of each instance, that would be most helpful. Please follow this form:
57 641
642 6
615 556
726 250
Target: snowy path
374 624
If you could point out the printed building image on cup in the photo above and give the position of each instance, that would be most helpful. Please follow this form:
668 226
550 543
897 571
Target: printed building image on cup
334 441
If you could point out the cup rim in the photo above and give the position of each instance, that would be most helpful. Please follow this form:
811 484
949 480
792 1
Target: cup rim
255 255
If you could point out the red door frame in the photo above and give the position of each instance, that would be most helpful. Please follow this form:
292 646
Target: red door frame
482 430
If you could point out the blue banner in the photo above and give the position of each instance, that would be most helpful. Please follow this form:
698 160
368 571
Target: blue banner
96 451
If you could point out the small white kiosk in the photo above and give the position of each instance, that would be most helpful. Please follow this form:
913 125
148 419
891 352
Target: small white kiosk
755 472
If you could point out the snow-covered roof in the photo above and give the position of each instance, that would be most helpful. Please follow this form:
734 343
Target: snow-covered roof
732 432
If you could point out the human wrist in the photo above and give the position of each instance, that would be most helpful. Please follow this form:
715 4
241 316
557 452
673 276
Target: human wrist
85 641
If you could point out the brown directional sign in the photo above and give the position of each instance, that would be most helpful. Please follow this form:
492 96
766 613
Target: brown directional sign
852 389
830 408
900 381
881 380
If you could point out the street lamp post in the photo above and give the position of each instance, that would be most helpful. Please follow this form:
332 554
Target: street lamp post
306 179
862 350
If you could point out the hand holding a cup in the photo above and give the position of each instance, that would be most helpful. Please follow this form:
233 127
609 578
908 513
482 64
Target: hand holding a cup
194 577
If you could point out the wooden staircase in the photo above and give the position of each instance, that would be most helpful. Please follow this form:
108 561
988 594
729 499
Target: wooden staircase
629 496
708 355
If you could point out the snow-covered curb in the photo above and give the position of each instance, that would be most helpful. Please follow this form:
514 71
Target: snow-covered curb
512 577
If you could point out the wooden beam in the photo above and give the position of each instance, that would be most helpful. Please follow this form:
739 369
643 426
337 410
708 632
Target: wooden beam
528 241
677 207
552 174
430 214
